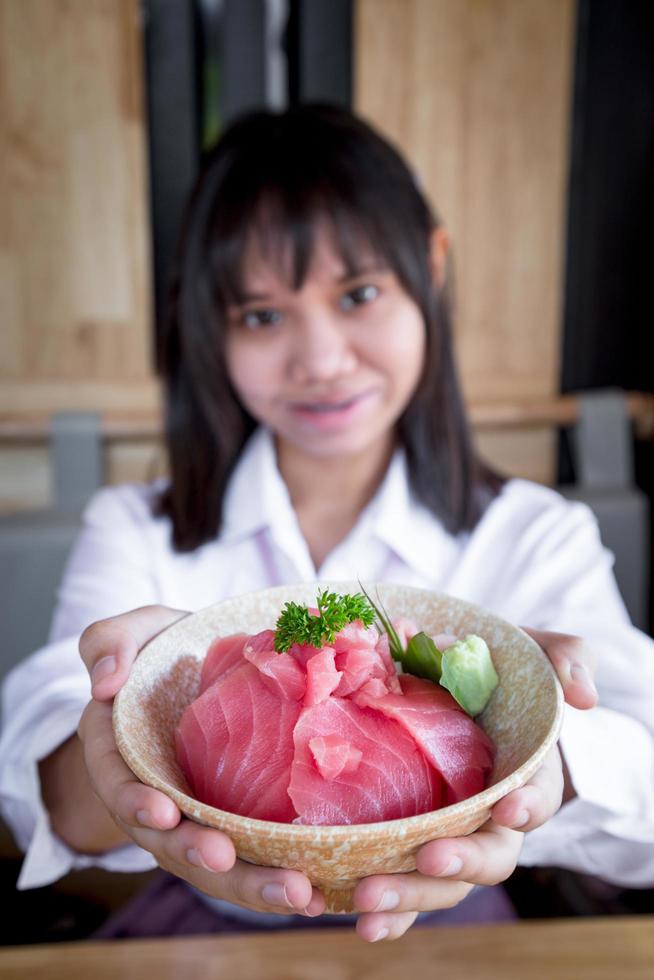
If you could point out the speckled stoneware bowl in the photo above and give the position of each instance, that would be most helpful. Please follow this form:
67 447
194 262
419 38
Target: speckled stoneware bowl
523 719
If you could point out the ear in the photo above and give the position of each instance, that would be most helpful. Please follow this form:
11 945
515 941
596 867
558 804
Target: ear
439 250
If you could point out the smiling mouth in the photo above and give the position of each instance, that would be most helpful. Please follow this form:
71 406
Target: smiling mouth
324 407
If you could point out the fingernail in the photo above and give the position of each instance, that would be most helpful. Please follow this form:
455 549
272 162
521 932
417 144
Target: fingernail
380 935
307 911
103 668
389 900
579 674
452 868
193 856
275 894
522 817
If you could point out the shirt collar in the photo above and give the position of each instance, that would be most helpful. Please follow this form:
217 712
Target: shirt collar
405 525
257 497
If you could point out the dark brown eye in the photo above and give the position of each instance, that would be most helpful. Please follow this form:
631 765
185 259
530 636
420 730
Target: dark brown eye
359 296
255 319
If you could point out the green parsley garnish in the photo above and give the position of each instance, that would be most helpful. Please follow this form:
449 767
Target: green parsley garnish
297 625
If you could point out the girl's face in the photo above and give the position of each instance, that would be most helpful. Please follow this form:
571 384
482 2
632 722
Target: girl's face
329 368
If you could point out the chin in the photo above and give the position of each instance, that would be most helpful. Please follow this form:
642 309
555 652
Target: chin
337 445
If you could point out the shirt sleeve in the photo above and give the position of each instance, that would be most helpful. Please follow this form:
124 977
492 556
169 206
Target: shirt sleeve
44 696
563 581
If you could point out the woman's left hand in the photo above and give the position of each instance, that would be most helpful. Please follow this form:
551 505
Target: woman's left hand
448 868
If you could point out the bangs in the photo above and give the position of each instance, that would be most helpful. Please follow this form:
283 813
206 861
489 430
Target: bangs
281 196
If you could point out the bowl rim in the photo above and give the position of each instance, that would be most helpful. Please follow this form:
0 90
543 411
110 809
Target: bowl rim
300 833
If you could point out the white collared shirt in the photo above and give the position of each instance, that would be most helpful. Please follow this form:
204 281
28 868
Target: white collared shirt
534 558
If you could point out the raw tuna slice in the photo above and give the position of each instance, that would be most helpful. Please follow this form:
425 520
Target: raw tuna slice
449 738
322 677
333 755
358 665
356 635
393 778
392 679
282 674
238 737
302 653
222 656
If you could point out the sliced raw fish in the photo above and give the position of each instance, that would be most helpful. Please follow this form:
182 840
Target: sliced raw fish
449 738
393 778
322 677
334 755
392 680
222 656
405 629
356 635
357 665
280 673
245 756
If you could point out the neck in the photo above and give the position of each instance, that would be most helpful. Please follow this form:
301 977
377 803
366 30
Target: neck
328 495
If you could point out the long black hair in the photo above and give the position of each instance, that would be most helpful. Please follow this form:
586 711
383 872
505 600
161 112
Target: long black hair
282 176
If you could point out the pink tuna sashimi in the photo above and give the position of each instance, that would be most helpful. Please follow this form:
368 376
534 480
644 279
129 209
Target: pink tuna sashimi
333 755
405 629
322 677
449 738
237 740
362 663
393 778
302 653
282 674
358 665
392 680
356 635
222 656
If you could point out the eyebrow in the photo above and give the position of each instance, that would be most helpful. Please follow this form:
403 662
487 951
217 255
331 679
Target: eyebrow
365 270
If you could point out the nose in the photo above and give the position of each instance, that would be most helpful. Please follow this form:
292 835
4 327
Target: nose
322 350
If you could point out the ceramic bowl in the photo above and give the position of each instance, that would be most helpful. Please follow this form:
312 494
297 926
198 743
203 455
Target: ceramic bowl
523 719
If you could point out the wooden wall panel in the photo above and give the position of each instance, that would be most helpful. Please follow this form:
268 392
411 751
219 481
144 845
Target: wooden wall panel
74 259
477 94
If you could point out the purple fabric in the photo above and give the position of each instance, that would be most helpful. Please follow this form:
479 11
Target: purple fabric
167 907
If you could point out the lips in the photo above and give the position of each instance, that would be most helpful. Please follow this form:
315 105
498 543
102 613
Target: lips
332 412
327 404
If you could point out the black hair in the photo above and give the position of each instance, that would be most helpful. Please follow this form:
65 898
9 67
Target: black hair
281 176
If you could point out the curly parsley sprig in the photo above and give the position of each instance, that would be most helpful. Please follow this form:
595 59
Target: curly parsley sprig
297 625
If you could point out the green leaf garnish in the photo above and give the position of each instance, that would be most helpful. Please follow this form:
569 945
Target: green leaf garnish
465 669
297 625
423 658
394 642
469 674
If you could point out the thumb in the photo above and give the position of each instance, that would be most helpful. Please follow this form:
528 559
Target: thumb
110 646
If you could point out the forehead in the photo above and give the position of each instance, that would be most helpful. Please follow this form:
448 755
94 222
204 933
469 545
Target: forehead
274 255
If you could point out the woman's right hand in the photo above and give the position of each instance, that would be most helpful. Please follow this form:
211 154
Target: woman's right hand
200 855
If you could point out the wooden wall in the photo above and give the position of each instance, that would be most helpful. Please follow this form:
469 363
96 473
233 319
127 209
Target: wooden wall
74 254
477 94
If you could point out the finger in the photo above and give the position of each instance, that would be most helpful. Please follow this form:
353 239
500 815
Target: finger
574 663
110 646
532 804
279 890
113 781
414 892
486 857
377 926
